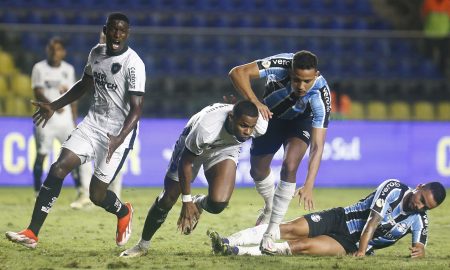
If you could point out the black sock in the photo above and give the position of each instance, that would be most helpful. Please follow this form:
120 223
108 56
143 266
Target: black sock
155 218
113 205
37 175
76 177
48 194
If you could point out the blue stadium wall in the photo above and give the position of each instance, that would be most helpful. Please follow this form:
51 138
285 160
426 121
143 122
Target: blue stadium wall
357 154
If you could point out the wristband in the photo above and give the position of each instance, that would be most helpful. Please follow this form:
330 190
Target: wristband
186 198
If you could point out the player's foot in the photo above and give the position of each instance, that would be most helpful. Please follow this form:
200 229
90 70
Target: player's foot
26 238
81 202
267 245
123 232
263 217
136 251
219 246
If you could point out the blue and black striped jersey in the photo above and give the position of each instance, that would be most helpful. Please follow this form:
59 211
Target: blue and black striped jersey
387 201
316 103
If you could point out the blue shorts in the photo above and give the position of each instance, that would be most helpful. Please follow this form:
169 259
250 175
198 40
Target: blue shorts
278 131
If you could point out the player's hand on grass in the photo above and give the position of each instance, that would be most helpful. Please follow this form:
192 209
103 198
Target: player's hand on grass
43 113
189 217
417 252
305 195
359 253
114 142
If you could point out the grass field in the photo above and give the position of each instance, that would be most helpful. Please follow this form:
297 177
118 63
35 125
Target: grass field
85 239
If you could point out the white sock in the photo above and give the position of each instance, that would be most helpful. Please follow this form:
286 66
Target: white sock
266 188
248 236
283 196
253 251
144 244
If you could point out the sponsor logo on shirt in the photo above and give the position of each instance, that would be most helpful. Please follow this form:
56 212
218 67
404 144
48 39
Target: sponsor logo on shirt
132 80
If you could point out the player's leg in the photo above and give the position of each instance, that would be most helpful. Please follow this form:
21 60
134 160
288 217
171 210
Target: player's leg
48 194
37 172
319 245
295 146
156 216
85 174
221 180
116 185
262 152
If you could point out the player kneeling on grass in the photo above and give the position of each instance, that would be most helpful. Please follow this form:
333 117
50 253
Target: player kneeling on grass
377 221
212 138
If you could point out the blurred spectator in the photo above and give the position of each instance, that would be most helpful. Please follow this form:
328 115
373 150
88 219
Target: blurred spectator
340 102
436 16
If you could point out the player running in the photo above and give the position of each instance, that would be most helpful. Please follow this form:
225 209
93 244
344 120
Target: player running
105 135
298 102
212 138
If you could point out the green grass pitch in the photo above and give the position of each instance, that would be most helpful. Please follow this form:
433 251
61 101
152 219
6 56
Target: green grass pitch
84 239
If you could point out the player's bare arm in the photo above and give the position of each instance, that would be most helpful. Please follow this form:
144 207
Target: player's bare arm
367 233
241 77
417 250
46 110
315 156
136 105
189 214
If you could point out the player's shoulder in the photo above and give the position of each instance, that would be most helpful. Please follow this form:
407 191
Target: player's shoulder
391 184
41 64
214 114
133 56
100 48
281 60
66 65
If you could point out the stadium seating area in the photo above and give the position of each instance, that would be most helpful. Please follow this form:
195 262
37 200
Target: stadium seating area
189 46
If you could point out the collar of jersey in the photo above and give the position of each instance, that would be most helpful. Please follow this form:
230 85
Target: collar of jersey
125 48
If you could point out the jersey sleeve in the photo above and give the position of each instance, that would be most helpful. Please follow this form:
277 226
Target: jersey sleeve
386 193
321 108
36 77
88 67
136 76
196 140
419 229
276 65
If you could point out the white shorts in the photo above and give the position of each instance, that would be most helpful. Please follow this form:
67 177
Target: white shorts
89 144
45 136
208 158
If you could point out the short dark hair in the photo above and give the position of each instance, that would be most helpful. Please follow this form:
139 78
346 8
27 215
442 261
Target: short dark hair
56 39
245 107
438 191
117 16
304 60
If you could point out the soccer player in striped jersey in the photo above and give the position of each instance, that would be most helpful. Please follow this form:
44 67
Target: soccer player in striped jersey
212 138
297 101
377 221
106 134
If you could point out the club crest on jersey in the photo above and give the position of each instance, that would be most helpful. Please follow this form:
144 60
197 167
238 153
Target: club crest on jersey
115 68
316 217
266 63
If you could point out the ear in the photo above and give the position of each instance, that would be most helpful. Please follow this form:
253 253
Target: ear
317 73
104 29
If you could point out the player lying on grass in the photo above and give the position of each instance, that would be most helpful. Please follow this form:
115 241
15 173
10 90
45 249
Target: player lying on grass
212 138
377 221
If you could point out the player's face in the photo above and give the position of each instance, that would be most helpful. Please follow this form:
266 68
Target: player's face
116 34
243 127
302 80
420 200
55 53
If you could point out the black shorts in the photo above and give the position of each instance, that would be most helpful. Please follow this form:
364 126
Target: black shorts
332 223
278 131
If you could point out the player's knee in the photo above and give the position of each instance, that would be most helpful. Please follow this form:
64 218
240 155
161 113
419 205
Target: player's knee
58 170
215 207
258 175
